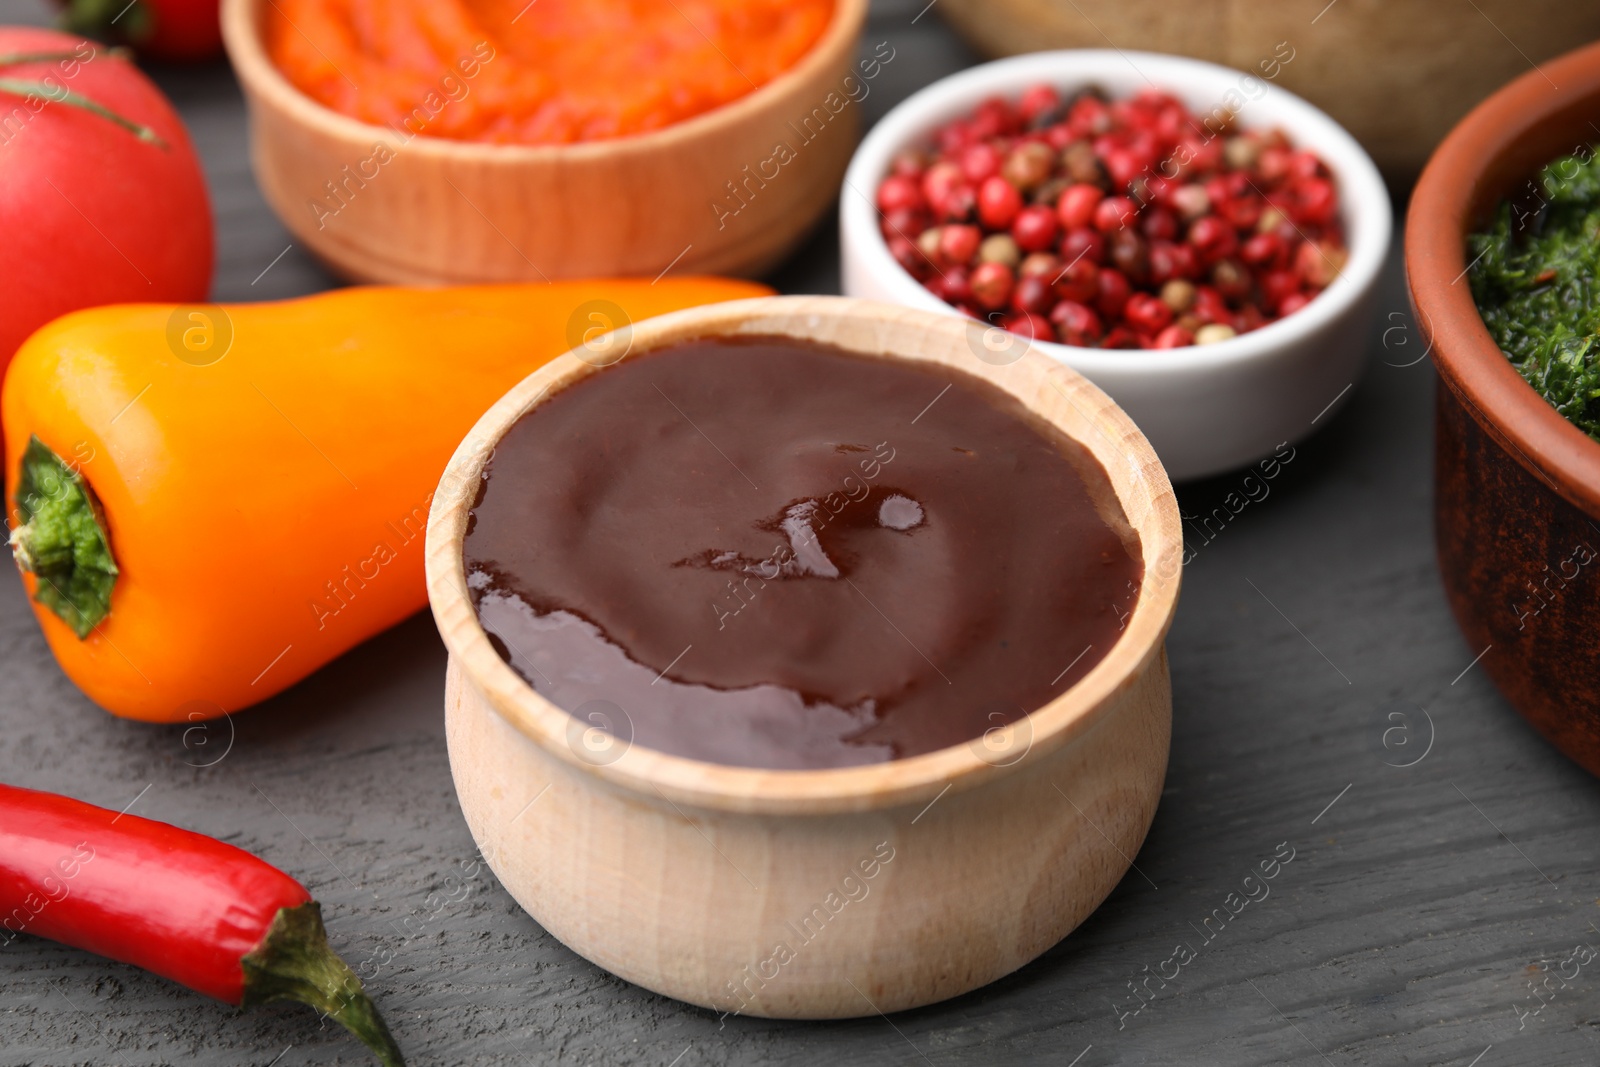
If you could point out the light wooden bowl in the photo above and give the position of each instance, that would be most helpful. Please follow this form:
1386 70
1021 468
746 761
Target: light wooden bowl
686 877
442 211
1398 76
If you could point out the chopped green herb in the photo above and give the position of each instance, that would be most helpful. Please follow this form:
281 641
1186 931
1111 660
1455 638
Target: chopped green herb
1534 275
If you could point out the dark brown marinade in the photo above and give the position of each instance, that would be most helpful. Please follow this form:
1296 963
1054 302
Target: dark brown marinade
767 553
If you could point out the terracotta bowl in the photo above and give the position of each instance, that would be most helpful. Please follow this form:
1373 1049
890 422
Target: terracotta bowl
891 885
443 211
1395 75
1517 487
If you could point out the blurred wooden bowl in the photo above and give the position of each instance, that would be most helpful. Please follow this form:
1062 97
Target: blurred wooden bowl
891 885
1397 76
443 211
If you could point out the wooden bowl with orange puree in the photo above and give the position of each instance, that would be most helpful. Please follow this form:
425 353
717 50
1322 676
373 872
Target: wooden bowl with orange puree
429 141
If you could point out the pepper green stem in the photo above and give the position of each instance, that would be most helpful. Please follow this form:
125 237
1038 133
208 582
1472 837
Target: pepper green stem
295 962
62 540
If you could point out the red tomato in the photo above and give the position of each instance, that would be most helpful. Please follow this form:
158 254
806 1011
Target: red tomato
175 30
90 213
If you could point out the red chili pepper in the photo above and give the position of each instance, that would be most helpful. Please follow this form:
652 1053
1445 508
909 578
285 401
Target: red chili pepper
182 905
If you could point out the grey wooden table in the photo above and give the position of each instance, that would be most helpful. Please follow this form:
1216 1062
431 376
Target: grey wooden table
1430 914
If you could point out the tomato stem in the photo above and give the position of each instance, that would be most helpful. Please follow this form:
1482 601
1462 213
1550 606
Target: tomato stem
295 962
62 540
100 19
11 59
61 95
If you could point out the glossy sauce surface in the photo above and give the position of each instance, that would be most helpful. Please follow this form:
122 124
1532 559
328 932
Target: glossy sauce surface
768 553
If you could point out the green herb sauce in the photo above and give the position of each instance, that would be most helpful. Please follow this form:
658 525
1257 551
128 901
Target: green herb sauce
1534 274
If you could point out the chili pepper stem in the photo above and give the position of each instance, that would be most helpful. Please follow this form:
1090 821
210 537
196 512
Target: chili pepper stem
295 962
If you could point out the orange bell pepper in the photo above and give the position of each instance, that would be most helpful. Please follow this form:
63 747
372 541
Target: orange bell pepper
211 502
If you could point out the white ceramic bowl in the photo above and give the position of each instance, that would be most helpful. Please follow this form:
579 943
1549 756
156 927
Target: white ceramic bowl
1206 409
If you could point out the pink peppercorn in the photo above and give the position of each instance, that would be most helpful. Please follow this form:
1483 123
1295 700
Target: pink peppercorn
1147 313
1292 303
958 203
1083 243
906 254
1075 207
1032 293
1066 219
1036 101
1243 212
899 193
991 285
1114 213
1120 337
1032 326
1305 164
1078 282
1212 238
908 163
939 179
1113 296
1041 263
1169 260
1035 228
1076 323
1318 263
980 162
1232 279
1190 201
955 285
1314 201
1159 224
998 203
1209 306
1273 164
959 244
1262 249
1124 166
1174 337
1277 286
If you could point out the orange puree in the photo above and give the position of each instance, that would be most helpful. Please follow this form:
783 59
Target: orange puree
546 72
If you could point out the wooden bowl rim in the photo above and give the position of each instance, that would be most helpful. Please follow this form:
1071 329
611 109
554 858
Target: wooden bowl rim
921 778
259 75
1464 178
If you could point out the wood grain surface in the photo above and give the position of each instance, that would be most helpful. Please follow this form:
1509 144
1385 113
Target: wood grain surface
1313 635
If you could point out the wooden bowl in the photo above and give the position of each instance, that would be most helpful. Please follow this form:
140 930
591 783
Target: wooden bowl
443 211
1517 487
1395 75
891 885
